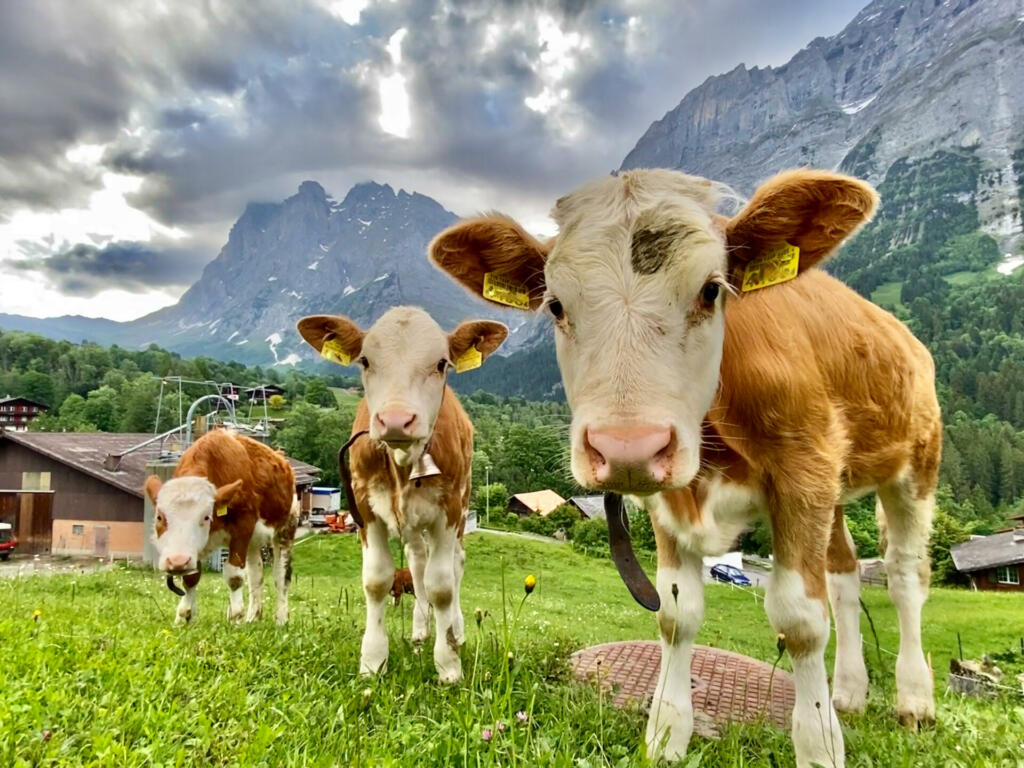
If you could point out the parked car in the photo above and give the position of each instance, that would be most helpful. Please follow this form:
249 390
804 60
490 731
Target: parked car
729 575
8 541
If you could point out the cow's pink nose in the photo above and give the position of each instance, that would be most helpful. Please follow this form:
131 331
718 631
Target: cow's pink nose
630 457
396 424
177 562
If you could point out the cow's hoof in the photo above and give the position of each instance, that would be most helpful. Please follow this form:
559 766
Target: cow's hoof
914 721
183 618
849 700
450 677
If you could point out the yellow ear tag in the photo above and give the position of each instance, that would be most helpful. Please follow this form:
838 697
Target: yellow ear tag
331 350
469 360
501 289
222 510
775 265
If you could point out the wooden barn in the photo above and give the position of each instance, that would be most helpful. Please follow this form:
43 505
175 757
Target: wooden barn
993 562
80 493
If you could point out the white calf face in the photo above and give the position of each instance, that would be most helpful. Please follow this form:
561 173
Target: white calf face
404 359
635 284
184 514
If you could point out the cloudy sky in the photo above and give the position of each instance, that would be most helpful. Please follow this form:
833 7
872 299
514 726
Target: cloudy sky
134 132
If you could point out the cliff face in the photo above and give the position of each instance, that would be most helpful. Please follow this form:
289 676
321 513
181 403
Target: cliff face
902 82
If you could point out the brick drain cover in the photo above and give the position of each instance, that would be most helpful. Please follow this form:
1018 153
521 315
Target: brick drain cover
726 687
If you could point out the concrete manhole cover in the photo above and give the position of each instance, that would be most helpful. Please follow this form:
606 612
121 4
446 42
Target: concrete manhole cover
726 687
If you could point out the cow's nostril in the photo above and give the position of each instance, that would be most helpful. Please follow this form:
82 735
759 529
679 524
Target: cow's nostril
409 423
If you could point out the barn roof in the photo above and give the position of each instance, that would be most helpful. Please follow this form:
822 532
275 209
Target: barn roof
591 506
19 399
1006 548
87 452
542 502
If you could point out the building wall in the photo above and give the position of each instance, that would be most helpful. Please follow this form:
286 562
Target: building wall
78 496
987 580
124 539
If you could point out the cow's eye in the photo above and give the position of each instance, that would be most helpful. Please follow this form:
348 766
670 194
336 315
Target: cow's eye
555 308
364 362
442 365
207 518
160 517
710 292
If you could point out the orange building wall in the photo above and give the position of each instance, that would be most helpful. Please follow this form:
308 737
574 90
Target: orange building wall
125 539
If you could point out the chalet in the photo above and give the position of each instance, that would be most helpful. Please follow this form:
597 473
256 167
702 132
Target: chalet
590 507
541 503
263 392
81 493
993 562
17 412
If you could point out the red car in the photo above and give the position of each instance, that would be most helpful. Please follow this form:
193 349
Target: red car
8 541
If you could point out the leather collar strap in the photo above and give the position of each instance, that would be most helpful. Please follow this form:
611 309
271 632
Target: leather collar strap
621 545
346 478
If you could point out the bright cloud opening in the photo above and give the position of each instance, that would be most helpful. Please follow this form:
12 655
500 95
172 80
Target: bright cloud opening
348 11
395 113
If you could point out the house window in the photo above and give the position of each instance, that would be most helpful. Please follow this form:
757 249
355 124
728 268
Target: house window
1008 575
77 530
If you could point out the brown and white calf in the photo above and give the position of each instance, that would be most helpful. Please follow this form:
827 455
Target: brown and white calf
711 405
227 491
409 410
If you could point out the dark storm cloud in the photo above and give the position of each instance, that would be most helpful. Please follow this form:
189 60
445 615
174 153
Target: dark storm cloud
215 105
86 270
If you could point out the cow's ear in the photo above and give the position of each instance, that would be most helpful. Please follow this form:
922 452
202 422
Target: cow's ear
484 335
153 486
812 210
494 258
226 494
335 337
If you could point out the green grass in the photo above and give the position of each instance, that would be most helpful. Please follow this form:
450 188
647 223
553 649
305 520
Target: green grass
104 672
970 277
344 397
888 295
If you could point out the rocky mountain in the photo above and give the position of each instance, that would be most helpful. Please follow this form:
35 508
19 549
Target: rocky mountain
921 97
308 254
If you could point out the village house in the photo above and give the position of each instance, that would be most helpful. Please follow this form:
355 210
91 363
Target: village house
993 562
263 392
590 507
541 503
81 493
17 412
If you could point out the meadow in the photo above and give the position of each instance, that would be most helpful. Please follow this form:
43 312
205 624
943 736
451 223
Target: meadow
95 674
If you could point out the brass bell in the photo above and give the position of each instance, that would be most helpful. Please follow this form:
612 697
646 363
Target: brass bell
425 467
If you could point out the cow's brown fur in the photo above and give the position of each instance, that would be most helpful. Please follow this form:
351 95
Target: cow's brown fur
402 585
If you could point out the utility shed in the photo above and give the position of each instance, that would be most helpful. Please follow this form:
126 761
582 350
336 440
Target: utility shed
993 562
590 507
93 504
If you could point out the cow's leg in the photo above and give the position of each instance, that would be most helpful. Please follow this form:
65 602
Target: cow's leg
416 554
378 576
681 589
908 520
796 606
850 679
460 567
187 604
284 540
254 574
440 586
234 575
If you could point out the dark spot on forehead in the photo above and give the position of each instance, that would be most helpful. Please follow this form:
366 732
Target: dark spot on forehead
654 244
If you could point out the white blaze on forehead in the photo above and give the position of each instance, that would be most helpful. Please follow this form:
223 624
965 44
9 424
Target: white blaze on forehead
403 349
629 265
184 503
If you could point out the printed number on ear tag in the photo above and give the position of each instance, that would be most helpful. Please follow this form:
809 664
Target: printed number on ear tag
469 360
222 510
503 290
776 265
331 350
